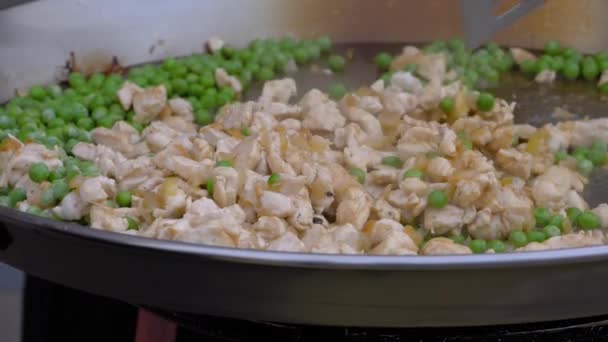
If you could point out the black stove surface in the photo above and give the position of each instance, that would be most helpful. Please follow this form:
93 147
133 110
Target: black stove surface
56 313
201 328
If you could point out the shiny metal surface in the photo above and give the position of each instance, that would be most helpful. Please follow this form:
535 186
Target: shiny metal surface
481 21
289 287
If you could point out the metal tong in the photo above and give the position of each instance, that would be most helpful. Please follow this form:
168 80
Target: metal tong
481 21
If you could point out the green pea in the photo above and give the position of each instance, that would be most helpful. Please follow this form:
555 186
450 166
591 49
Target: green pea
392 161
557 220
179 86
536 236
447 104
588 220
301 55
358 174
208 101
460 239
4 201
7 122
124 199
604 88
58 173
437 199
485 102
571 70
39 172
223 163
15 196
37 93
413 173
551 231
497 246
573 213
59 189
47 199
34 210
597 156
245 131
584 166
552 47
336 63
264 74
560 155
542 216
383 61
590 69
132 224
337 91
106 121
274 179
478 246
324 43
89 169
518 238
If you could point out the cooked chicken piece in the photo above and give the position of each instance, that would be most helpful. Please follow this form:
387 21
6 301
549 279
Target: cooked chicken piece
398 102
585 132
112 219
324 117
279 90
444 246
520 55
575 200
275 204
602 212
126 94
158 135
201 149
371 104
270 227
19 163
122 138
196 173
288 242
545 76
572 240
406 82
418 140
439 169
275 144
182 108
354 208
441 221
71 208
558 139
247 153
515 162
486 226
381 229
226 185
550 189
383 210
210 234
235 115
215 44
396 243
467 192
384 175
603 78
263 121
524 131
223 79
347 238
366 121
301 219
97 189
148 103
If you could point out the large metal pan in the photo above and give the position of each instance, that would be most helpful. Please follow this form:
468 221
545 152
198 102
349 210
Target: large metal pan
285 287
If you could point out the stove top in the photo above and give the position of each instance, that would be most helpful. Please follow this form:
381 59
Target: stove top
213 329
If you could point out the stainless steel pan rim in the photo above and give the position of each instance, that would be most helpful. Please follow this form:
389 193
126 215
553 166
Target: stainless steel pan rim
318 261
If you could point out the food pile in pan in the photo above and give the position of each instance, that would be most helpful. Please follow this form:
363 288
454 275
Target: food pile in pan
418 162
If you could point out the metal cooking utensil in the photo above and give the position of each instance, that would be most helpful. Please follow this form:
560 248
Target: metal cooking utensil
481 21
